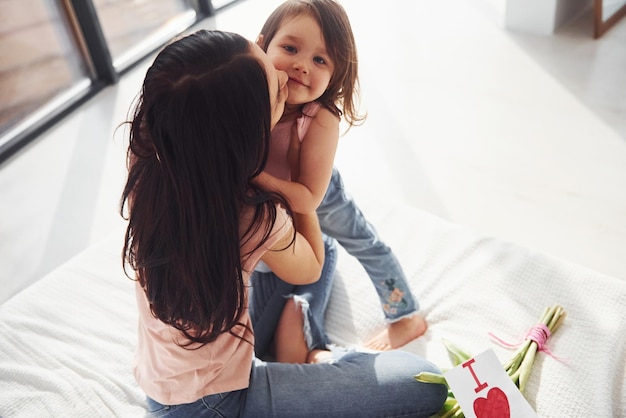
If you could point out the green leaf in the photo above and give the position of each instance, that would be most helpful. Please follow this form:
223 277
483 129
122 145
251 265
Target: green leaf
428 377
455 353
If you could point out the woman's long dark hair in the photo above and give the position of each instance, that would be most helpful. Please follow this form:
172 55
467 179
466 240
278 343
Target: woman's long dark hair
198 137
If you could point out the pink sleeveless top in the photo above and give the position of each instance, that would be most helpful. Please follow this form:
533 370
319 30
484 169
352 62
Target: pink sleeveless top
277 164
173 375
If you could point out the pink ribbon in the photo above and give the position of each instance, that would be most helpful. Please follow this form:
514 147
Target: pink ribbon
539 334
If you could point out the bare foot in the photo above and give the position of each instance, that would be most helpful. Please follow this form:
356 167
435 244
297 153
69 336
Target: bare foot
319 356
398 333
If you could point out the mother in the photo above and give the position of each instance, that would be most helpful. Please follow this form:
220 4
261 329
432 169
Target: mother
198 225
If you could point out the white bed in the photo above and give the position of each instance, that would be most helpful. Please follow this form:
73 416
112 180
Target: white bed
66 342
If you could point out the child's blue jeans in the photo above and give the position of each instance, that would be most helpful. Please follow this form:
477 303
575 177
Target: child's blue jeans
341 218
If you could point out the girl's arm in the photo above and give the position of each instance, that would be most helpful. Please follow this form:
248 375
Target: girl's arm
302 261
317 155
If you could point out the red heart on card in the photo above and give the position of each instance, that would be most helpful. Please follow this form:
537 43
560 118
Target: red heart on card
495 405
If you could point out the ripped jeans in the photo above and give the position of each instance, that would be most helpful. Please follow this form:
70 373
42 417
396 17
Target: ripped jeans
268 295
357 385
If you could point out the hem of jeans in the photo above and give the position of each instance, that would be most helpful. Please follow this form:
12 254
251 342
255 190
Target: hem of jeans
401 317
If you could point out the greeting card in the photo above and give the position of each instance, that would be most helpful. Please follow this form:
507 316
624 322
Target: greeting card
484 390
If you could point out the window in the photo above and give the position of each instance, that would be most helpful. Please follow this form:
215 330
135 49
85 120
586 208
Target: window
55 53
41 65
133 28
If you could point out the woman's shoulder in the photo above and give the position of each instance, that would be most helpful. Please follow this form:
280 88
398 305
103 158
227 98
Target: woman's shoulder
279 225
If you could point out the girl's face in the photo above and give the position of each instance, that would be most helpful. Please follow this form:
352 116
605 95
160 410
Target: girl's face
276 82
298 48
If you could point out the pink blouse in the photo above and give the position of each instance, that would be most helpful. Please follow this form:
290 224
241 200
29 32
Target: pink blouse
174 375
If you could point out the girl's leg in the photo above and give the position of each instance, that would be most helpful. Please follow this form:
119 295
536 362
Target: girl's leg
266 300
342 219
356 385
291 316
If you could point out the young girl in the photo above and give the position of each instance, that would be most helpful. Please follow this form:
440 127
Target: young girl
312 41
197 226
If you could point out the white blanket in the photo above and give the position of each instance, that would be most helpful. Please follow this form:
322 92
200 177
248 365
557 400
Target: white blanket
66 342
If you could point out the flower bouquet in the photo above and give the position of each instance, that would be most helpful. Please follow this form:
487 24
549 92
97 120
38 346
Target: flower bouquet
518 367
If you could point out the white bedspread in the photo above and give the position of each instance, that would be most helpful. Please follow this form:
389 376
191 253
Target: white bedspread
66 343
